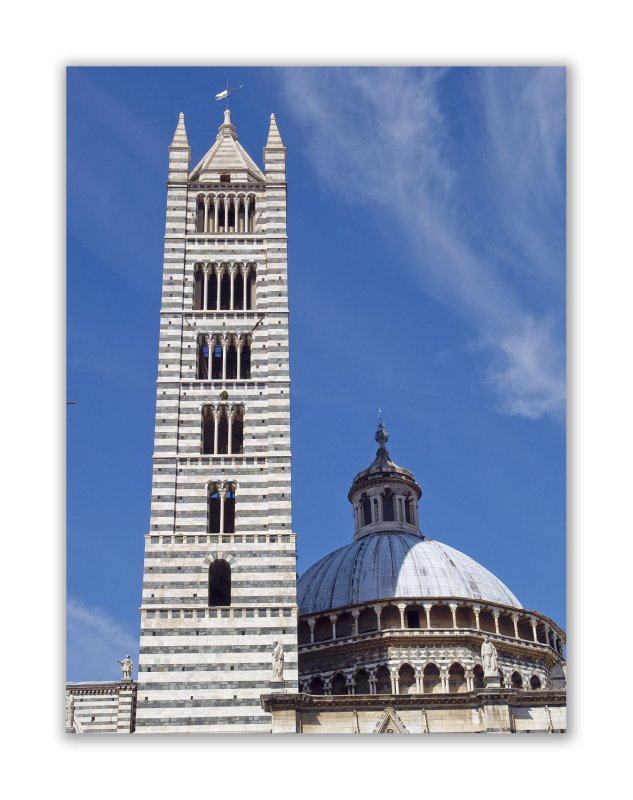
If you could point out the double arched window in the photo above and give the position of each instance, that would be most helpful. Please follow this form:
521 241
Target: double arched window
222 429
388 506
221 508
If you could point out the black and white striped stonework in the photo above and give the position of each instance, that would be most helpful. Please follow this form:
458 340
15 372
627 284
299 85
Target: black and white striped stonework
202 668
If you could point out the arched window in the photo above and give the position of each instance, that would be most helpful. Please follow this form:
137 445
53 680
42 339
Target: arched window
406 679
223 430
202 360
250 290
238 291
213 515
229 509
225 290
478 677
431 683
220 583
407 509
535 682
208 429
339 684
367 621
251 216
212 291
457 678
304 632
366 504
200 214
231 217
245 360
231 360
383 680
516 680
198 287
217 357
361 682
387 506
237 430
316 686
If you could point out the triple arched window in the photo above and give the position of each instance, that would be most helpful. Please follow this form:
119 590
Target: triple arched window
224 286
223 356
222 429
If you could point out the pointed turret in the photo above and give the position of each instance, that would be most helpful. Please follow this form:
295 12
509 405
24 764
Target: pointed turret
226 161
179 153
274 155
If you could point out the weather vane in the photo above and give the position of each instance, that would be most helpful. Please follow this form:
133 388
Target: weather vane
226 92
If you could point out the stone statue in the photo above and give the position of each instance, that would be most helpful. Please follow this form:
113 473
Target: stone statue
489 656
126 668
278 662
70 709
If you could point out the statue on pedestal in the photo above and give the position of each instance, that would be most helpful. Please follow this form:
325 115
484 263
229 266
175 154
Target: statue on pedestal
70 710
126 668
278 662
489 656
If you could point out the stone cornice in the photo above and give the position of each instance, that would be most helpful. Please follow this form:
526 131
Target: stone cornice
476 699
114 687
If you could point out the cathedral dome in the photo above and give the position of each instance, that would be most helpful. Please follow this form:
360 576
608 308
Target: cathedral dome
380 565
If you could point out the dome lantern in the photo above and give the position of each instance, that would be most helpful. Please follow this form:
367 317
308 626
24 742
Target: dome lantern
384 496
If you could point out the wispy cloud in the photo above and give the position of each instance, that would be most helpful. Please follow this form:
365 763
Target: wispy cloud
95 640
481 210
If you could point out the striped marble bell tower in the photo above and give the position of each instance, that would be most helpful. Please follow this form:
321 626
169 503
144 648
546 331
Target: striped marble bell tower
220 565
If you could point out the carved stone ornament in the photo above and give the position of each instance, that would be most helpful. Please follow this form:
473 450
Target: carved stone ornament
390 722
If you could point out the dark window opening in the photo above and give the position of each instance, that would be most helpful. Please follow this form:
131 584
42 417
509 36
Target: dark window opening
207 430
245 362
220 583
413 619
366 511
223 432
216 363
225 291
225 177
387 506
229 511
198 289
213 525
203 359
231 362
407 509
238 292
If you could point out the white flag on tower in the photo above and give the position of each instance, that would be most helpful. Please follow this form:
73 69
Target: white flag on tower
224 94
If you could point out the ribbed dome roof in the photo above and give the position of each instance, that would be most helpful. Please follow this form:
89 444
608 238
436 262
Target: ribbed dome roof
380 565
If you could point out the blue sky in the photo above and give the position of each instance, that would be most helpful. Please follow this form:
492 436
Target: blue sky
427 277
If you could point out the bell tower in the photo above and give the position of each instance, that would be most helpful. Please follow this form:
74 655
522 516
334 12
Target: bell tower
219 583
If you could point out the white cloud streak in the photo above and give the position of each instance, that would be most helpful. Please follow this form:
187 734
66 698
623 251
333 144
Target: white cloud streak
380 138
95 640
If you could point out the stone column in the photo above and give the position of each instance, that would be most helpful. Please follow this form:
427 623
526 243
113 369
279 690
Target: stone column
418 681
477 610
401 607
205 225
227 203
470 680
205 301
247 202
216 211
355 614
332 618
222 492
225 340
453 608
427 611
209 356
216 423
515 620
238 350
395 682
378 608
533 624
245 270
229 447
495 614
219 270
232 271
444 679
